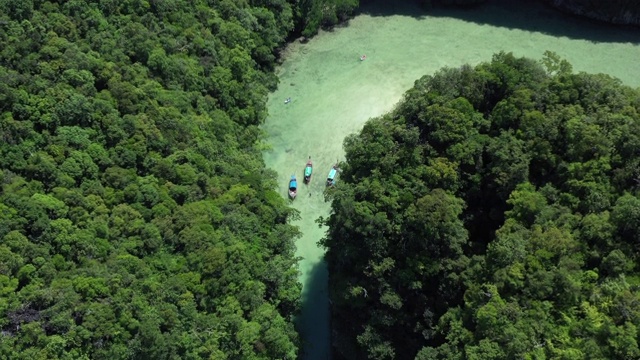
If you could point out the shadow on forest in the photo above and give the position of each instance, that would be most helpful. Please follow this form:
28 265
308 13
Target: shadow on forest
314 315
527 15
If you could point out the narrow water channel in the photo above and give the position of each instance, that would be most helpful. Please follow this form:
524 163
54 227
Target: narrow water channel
333 93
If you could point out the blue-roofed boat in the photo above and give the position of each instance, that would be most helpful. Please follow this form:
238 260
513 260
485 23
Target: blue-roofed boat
331 179
293 187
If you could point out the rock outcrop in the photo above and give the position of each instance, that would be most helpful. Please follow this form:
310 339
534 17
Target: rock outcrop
460 2
623 12
620 12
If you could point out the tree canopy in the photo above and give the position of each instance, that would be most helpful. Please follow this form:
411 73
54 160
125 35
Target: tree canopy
137 219
494 214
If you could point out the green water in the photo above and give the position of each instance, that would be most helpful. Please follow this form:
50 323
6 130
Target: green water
333 93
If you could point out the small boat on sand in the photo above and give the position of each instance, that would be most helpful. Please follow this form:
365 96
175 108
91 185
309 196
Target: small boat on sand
293 187
308 170
331 179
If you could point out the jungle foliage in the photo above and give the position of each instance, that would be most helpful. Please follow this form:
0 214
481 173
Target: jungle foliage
315 14
494 214
137 219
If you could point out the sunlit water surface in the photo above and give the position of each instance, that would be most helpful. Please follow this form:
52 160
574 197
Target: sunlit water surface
333 93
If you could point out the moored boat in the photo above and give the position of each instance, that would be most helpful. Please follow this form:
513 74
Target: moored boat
331 179
308 170
293 187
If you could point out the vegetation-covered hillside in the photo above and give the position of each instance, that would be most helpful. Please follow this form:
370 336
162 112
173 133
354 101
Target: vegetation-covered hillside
495 214
137 220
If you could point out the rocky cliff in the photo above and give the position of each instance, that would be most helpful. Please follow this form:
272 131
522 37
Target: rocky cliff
622 12
625 12
460 2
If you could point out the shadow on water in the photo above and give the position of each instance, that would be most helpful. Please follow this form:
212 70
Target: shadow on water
527 15
315 313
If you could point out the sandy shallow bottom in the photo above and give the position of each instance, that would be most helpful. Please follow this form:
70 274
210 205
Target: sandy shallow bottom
334 93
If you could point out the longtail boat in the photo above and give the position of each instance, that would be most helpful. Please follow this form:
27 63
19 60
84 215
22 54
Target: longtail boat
331 179
308 170
293 187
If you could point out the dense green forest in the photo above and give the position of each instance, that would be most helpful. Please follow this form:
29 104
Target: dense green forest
137 219
494 214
